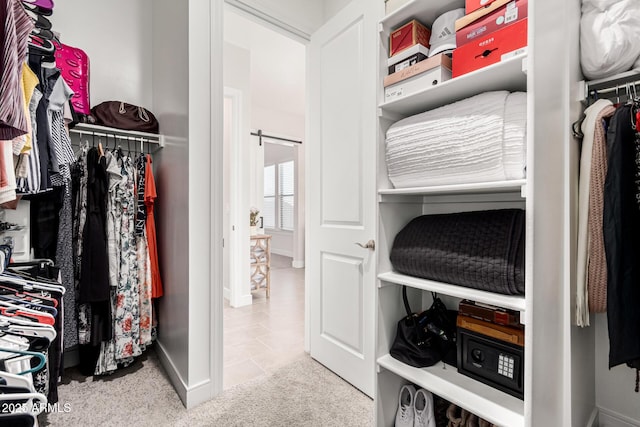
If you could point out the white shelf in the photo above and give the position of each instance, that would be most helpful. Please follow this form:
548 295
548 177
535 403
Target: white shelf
505 75
506 301
425 12
513 186
485 401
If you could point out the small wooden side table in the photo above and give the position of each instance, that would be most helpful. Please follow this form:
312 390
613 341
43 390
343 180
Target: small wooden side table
261 262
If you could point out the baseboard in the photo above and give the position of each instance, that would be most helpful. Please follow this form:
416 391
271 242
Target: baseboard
190 396
199 393
608 418
282 252
593 419
242 301
226 293
174 376
297 263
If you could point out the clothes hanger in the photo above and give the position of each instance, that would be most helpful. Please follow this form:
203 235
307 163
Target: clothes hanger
15 380
27 328
11 308
12 311
30 304
39 356
29 284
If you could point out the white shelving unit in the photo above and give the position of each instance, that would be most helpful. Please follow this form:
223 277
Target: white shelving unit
507 75
485 401
507 301
398 206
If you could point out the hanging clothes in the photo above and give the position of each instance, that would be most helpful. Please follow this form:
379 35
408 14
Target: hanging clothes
15 27
127 320
591 282
93 289
622 239
150 196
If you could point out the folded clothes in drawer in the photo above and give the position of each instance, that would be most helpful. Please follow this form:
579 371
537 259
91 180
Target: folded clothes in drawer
481 250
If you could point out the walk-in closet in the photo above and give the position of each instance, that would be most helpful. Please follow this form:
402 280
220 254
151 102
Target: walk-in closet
538 155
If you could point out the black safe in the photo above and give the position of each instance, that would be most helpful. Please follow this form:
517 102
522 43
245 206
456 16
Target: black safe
491 361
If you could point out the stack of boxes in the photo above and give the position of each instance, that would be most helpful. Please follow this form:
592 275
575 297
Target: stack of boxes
490 346
483 33
420 57
491 31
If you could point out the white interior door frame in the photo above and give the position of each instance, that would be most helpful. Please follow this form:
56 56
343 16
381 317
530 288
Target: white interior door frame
277 25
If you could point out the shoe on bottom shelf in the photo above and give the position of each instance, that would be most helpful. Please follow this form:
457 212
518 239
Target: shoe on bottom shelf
423 403
405 414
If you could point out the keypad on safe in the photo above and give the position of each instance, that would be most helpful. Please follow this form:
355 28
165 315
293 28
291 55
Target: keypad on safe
505 366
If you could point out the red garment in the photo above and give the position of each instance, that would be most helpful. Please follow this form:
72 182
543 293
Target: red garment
150 196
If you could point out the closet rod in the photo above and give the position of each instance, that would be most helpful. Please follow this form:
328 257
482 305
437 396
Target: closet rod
613 86
261 135
109 132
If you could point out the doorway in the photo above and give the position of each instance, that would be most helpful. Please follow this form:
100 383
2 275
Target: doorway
264 79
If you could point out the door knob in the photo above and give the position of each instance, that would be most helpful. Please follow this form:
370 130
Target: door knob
369 245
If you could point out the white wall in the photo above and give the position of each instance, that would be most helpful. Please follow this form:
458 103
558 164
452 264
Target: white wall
170 83
236 75
331 7
615 388
189 234
117 37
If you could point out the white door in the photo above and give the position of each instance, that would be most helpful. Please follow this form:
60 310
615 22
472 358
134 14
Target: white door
341 193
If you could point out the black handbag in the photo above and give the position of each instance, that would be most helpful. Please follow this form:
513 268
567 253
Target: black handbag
426 338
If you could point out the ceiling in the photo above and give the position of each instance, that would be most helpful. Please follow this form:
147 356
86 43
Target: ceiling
277 63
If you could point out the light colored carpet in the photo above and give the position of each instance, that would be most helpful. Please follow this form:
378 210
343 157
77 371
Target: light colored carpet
302 393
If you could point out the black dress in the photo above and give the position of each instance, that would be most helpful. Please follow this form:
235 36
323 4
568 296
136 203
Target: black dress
621 228
94 273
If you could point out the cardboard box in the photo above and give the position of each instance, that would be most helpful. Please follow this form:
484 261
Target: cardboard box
512 12
419 68
409 34
417 83
406 63
473 5
474 16
500 332
416 48
495 47
391 6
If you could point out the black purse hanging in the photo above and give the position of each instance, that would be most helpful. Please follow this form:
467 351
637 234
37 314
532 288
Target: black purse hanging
426 338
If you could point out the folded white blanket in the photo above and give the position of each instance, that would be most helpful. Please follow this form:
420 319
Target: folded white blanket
482 138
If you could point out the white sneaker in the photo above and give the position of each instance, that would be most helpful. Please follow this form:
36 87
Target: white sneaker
406 411
423 405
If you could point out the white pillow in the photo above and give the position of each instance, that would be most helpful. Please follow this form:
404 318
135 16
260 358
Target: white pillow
609 37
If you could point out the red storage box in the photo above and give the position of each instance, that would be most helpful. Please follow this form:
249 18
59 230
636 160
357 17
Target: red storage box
473 5
409 34
509 14
490 49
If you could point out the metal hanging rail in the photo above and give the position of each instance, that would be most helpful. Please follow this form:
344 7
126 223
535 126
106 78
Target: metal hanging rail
261 135
118 134
621 86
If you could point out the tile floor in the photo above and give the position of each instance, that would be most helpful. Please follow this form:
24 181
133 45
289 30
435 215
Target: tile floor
270 332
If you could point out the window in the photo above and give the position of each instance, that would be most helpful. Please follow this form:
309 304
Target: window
269 205
286 195
279 196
